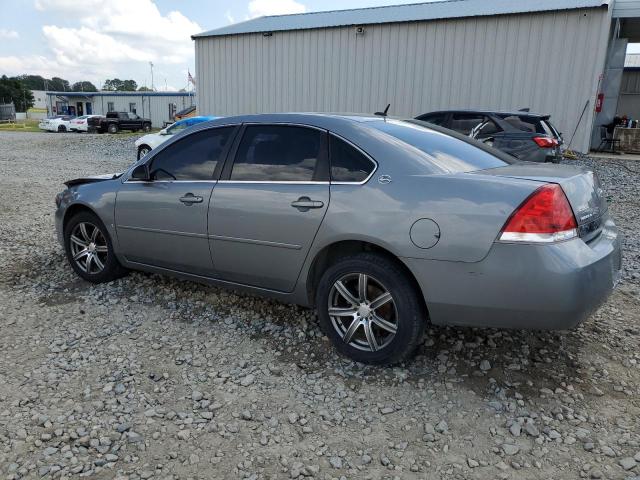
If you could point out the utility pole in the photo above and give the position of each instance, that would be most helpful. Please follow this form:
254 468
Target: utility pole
151 65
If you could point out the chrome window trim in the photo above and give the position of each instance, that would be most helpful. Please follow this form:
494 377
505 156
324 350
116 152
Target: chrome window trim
286 124
279 182
129 180
366 155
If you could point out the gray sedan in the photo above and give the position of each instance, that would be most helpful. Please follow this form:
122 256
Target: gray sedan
382 225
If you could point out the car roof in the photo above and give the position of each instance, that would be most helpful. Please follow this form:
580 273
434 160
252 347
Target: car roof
519 113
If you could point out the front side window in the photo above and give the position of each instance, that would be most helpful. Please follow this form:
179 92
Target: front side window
278 153
194 157
348 164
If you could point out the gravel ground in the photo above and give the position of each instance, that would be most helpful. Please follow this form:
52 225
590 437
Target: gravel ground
151 377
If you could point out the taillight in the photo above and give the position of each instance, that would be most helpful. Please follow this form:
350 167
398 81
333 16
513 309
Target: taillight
544 217
546 142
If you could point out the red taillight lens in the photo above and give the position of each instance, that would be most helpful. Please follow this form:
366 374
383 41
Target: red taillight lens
545 216
546 142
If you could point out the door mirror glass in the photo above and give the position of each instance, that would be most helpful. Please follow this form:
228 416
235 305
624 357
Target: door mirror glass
141 172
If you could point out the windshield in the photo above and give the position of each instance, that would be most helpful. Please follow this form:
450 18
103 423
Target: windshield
176 128
445 151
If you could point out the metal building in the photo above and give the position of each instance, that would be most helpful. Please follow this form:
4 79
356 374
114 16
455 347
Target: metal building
547 55
159 107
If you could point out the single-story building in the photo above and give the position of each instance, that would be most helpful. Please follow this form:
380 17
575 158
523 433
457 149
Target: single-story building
559 57
159 107
39 99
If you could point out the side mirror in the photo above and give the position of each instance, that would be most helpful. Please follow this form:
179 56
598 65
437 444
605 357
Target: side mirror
163 132
141 172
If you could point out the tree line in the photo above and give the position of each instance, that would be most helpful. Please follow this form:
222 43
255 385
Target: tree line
17 90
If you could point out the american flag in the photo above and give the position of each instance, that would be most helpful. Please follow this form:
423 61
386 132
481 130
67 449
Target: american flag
190 78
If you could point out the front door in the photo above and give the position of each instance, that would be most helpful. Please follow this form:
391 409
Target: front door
89 109
268 206
163 221
79 109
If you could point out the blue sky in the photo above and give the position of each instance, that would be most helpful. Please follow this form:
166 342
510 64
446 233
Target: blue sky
98 39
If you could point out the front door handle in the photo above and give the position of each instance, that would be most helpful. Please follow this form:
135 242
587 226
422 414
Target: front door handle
190 199
305 203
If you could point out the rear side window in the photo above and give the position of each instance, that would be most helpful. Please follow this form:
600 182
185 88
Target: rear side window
348 164
278 153
447 153
193 157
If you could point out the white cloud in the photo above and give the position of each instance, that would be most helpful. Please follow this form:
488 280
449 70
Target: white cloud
259 8
111 38
229 17
8 34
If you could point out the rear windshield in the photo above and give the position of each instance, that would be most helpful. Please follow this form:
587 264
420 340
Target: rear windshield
531 124
445 151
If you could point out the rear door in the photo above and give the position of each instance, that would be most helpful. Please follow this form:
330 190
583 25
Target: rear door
163 221
268 205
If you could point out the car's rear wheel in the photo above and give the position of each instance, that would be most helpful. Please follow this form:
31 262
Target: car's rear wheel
370 309
62 128
112 128
90 250
146 127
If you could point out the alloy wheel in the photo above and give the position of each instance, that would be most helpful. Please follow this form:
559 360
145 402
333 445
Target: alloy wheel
363 312
88 248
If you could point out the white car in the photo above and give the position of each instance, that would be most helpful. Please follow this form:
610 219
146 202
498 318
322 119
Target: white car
152 140
59 123
79 124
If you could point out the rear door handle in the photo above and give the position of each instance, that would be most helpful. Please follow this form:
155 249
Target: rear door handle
190 198
305 203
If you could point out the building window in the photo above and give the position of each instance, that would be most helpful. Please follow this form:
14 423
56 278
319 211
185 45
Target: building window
110 107
132 107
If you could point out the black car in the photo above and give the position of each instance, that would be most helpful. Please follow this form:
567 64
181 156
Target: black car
526 136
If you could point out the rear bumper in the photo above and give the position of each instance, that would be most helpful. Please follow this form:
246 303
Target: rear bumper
523 286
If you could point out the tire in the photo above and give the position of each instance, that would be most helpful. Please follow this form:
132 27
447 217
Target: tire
404 310
146 127
112 128
62 129
143 150
106 268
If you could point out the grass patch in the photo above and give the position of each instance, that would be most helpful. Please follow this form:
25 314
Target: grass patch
27 125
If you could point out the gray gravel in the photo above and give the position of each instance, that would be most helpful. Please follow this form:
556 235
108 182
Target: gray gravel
151 377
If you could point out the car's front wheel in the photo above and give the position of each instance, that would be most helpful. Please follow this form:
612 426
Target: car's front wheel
146 127
112 128
89 249
370 309
62 128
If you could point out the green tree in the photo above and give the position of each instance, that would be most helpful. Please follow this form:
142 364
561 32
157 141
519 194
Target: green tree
144 89
84 86
34 82
117 85
129 86
58 84
14 91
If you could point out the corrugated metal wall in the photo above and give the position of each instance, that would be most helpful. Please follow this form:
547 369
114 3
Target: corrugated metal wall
549 62
154 107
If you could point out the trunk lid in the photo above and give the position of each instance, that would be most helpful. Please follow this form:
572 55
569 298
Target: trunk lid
580 185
